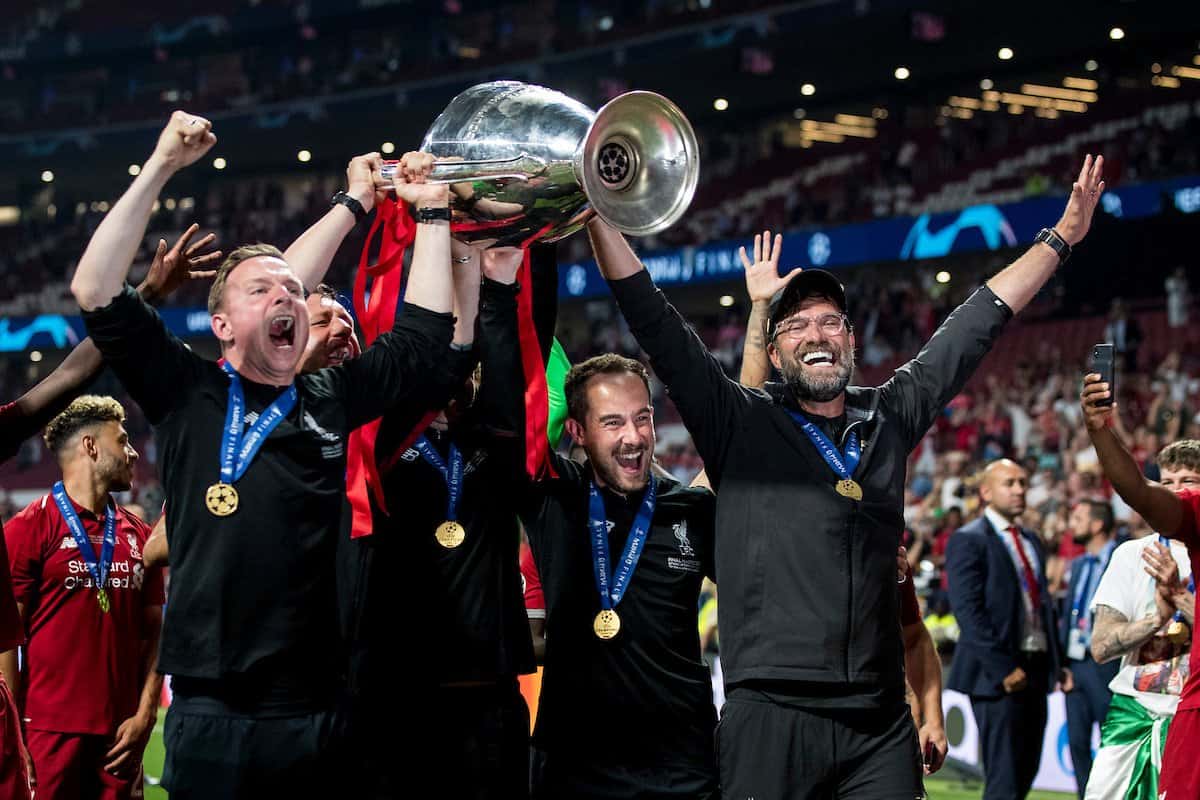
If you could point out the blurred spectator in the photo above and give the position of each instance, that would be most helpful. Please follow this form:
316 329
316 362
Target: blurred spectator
1178 299
1124 333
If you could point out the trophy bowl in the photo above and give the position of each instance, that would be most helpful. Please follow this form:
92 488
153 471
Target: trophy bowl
526 163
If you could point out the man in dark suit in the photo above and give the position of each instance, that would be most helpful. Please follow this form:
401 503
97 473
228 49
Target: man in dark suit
1007 654
1092 525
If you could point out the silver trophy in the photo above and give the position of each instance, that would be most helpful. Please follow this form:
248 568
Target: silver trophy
528 163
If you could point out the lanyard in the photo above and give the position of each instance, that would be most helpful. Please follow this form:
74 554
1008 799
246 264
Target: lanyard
843 464
238 449
97 567
452 474
612 592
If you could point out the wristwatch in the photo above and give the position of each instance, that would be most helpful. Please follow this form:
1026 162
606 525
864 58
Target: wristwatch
356 208
1057 243
432 214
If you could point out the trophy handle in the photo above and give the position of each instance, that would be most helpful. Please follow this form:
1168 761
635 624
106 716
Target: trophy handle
520 168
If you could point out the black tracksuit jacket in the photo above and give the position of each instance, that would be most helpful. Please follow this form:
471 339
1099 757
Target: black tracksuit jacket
809 603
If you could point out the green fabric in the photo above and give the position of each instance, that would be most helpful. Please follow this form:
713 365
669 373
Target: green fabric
557 366
1129 724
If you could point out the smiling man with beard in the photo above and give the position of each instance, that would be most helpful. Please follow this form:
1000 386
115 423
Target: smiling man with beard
809 476
626 705
92 612
253 459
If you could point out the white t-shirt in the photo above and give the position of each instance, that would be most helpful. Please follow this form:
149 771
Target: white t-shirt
1153 674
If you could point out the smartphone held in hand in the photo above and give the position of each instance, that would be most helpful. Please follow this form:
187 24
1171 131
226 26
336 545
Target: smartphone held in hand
1103 364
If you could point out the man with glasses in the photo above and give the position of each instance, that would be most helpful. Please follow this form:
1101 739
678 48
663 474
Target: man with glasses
809 476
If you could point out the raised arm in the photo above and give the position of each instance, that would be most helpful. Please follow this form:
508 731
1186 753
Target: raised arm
1158 505
502 392
708 401
430 284
311 254
436 388
763 282
396 368
1017 283
30 412
920 389
466 275
183 262
105 263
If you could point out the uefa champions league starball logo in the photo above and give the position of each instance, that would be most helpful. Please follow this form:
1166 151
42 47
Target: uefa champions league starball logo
576 280
819 249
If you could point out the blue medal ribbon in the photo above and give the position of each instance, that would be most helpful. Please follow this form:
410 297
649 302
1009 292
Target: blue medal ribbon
1191 578
842 463
1089 571
452 474
238 449
97 567
613 589
1085 587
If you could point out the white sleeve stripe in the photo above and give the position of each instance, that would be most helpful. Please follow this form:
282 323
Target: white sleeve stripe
536 613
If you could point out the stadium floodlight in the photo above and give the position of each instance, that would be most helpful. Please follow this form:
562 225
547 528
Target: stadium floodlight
1116 34
387 148
902 73
304 156
47 176
720 104
808 90
1005 53
1078 95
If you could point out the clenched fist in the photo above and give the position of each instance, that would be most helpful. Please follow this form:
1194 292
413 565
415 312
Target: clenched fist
184 141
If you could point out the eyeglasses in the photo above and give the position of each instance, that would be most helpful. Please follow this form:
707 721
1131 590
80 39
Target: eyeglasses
828 324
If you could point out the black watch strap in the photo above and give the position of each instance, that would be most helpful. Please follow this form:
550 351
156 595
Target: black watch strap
432 214
356 208
1057 243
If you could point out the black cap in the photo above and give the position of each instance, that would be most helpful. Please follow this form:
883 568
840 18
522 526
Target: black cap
808 282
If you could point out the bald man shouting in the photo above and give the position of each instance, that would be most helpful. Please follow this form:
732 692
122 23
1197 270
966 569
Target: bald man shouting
1007 657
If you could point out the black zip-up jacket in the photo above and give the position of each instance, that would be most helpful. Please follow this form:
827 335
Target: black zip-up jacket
808 596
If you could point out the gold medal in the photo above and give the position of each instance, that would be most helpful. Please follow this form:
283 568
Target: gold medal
102 599
849 488
1177 632
221 499
607 624
450 534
